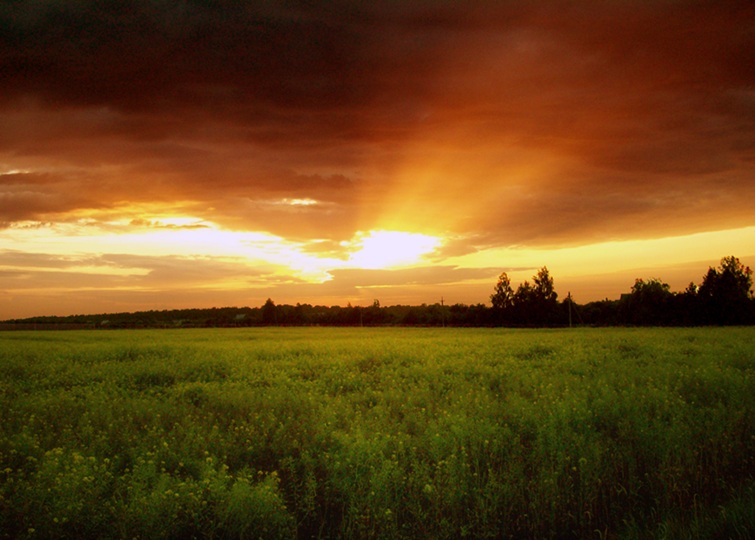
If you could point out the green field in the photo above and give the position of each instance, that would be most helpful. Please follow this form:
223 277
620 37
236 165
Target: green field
378 433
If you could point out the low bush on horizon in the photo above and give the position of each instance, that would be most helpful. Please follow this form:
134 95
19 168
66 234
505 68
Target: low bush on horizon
378 433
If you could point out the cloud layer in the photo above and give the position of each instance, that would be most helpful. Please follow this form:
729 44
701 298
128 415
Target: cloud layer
490 124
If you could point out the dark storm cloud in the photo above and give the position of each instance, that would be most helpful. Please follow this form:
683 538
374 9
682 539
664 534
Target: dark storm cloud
270 65
141 55
646 111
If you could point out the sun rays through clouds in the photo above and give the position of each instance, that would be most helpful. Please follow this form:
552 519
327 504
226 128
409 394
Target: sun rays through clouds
156 153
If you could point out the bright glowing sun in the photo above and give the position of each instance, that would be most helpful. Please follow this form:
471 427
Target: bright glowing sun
385 249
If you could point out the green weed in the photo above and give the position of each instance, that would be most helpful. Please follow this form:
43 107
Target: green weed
378 433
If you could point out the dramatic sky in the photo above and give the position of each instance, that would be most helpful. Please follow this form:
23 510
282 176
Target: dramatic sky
159 154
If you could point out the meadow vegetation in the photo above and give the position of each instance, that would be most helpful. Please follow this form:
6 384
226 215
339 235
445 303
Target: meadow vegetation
378 433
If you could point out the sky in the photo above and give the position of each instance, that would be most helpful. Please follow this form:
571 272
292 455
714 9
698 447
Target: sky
160 154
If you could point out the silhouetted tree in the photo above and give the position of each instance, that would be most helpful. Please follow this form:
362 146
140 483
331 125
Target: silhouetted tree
269 313
530 305
373 315
543 287
601 313
647 303
523 303
725 295
503 297
537 304
684 307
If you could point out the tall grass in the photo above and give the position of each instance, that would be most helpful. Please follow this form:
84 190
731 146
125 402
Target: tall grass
378 433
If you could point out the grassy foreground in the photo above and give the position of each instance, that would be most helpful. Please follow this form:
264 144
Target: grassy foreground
378 433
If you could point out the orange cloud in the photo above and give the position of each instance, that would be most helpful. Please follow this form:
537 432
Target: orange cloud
488 125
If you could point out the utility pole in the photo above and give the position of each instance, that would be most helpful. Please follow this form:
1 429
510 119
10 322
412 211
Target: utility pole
442 314
569 298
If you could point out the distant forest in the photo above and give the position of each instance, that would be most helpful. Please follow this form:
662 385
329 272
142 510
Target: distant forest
724 297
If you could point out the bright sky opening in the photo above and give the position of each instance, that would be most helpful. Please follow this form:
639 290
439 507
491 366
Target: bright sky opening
388 249
294 153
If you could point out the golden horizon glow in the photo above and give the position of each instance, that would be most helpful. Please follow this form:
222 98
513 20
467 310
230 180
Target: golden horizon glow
594 258
505 138
379 250
194 237
133 258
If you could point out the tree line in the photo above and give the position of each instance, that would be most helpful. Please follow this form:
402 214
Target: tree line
724 297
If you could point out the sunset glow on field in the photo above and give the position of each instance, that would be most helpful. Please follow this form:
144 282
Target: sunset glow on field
163 156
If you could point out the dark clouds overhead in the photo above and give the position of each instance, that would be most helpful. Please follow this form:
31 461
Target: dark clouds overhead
535 122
